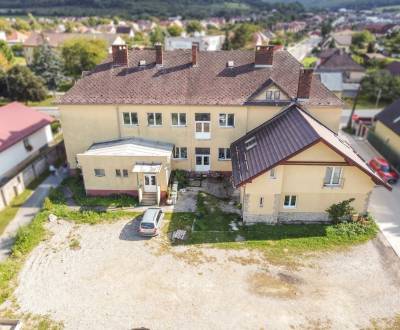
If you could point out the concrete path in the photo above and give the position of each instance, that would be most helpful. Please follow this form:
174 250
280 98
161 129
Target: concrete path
384 205
26 213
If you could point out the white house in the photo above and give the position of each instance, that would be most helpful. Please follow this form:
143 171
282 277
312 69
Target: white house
210 43
23 133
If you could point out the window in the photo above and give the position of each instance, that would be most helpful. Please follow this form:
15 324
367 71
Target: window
178 119
261 202
290 201
125 173
273 95
272 173
180 153
118 173
226 120
333 176
202 117
154 119
250 143
130 118
99 172
224 153
202 126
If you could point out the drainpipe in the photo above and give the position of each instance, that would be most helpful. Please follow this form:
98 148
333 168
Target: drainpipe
118 121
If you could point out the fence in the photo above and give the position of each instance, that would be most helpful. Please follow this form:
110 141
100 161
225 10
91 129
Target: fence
17 184
384 149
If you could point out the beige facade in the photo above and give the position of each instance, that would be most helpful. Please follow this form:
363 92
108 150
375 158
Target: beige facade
388 136
303 176
84 125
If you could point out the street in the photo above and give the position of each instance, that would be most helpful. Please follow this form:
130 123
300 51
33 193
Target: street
304 47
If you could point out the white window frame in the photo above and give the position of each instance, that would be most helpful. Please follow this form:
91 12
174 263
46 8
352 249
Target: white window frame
154 115
225 158
273 95
178 151
96 172
224 117
272 173
334 169
130 118
290 206
202 134
179 119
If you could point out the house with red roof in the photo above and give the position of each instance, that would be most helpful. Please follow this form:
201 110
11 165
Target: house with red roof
23 133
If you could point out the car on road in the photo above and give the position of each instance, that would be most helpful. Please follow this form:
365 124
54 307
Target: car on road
383 169
151 222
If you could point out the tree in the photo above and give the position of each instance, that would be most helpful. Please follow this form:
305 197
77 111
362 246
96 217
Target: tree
194 26
48 65
5 25
388 85
23 85
82 54
21 25
243 35
361 39
157 35
227 45
6 51
174 30
4 64
326 29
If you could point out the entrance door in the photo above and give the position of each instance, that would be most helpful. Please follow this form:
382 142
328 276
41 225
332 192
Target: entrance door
150 183
202 163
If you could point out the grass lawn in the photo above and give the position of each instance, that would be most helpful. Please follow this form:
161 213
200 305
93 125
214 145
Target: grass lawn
8 213
48 102
211 225
310 61
19 60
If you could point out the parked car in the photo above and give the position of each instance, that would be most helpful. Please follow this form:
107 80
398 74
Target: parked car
151 222
383 169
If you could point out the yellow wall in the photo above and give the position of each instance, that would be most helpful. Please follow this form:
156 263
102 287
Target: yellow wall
306 182
110 181
84 125
387 135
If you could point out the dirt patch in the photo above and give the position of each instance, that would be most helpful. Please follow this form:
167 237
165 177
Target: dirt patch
265 284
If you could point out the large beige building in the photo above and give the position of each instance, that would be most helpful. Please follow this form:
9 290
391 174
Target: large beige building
143 113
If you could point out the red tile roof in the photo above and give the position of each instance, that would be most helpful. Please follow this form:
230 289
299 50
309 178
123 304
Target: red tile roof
17 122
291 131
178 82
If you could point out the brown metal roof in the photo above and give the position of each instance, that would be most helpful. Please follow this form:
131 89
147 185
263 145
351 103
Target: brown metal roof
178 82
288 133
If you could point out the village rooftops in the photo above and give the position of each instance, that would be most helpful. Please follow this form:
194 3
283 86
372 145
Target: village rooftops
340 62
288 133
192 77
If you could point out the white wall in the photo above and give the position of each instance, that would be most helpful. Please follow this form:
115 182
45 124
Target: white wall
17 153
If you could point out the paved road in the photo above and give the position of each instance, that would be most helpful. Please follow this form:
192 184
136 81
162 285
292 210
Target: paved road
384 205
26 213
303 48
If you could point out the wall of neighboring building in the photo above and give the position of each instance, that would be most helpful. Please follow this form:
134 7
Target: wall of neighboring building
86 124
28 54
111 183
387 135
312 197
17 153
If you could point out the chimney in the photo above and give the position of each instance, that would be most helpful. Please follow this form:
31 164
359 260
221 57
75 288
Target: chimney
264 56
195 52
119 52
305 80
159 54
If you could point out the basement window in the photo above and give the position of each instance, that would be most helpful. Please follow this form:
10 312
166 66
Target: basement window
125 173
99 172
261 202
250 143
290 202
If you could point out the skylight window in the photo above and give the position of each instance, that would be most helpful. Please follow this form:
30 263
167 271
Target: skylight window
142 62
396 120
250 143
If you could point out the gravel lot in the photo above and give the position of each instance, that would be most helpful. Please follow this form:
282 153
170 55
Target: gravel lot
113 279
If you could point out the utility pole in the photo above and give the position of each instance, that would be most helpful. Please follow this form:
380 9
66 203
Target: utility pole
349 122
378 97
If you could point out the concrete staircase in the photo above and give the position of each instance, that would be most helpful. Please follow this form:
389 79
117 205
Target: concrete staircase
149 199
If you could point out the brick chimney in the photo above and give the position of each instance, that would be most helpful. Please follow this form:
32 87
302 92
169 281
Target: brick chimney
264 56
305 80
159 54
119 52
195 53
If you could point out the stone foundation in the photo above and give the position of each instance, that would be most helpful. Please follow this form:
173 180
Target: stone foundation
249 219
303 217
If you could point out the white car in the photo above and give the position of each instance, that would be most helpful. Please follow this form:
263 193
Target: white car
151 222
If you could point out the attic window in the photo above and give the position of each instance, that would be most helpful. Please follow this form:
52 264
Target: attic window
250 143
230 64
273 95
142 62
396 120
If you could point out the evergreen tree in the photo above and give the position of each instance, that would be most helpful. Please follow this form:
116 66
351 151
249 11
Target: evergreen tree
157 35
6 51
23 85
48 65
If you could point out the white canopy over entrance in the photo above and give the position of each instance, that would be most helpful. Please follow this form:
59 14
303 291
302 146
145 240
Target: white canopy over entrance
146 168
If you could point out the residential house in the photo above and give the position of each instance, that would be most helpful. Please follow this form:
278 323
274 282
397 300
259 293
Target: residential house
55 40
292 27
206 43
343 39
16 38
125 30
144 113
23 133
340 62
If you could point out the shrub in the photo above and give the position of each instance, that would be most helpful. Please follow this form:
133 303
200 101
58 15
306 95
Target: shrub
182 177
342 211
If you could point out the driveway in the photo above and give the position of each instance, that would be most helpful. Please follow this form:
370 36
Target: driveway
114 279
384 204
